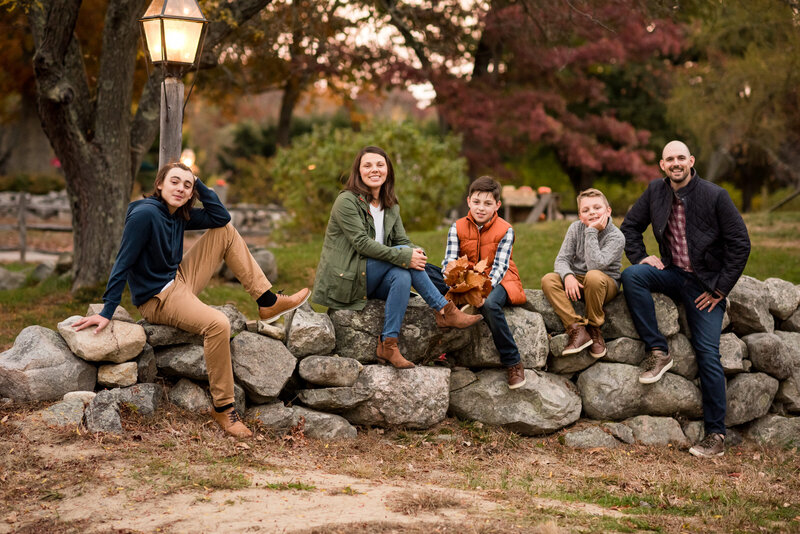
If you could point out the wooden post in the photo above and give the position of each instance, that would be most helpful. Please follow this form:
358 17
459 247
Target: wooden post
23 231
171 120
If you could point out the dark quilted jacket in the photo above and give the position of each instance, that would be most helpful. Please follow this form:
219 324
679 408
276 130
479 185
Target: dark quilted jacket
715 232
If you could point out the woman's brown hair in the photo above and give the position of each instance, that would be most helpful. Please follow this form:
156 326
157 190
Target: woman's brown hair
355 184
185 210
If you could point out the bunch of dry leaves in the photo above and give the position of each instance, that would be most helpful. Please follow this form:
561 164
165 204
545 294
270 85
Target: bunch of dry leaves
469 283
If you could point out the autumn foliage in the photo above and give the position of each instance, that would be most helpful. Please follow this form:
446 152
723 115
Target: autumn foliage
469 283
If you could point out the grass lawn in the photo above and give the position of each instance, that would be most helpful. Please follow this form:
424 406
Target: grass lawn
775 253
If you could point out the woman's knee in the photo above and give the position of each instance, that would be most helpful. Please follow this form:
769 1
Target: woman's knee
399 276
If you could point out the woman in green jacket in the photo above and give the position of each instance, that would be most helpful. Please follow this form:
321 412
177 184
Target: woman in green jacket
367 254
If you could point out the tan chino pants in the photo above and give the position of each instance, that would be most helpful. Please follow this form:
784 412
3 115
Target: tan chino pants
598 290
179 306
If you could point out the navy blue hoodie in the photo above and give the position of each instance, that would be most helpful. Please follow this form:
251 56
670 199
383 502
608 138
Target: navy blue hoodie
152 246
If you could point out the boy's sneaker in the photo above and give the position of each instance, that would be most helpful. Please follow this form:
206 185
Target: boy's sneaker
516 376
654 366
579 339
712 445
284 304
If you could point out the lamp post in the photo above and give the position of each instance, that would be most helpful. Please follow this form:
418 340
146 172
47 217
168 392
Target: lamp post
174 32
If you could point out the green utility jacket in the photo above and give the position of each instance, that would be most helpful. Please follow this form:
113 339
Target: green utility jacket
341 281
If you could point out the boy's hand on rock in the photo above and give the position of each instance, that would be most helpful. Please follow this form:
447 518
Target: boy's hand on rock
93 320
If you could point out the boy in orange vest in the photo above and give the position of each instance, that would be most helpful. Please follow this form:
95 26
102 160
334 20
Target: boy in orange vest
482 234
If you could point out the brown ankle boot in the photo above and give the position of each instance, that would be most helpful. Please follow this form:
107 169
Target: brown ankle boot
230 422
454 317
598 348
578 339
389 353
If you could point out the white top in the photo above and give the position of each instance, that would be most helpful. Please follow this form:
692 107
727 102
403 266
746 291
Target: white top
377 216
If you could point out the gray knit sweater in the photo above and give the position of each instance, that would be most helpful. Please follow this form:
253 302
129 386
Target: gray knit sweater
585 249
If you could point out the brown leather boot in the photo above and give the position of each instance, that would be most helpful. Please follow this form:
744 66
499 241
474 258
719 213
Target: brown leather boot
454 317
578 339
229 422
598 348
389 353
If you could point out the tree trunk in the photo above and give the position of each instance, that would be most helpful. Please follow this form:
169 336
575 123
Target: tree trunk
291 93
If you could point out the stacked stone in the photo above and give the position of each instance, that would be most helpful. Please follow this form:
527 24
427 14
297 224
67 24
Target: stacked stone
321 369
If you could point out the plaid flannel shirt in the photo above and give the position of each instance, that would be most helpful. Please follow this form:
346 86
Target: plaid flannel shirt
502 256
676 235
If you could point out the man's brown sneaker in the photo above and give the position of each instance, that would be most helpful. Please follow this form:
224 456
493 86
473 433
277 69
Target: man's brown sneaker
654 366
516 376
229 422
284 304
578 339
711 445
598 348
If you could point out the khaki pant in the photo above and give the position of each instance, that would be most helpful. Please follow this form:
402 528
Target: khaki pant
179 306
598 289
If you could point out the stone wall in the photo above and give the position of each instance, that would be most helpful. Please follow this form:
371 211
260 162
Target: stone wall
321 368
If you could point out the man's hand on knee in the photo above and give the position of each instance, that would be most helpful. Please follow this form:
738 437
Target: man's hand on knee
654 261
708 300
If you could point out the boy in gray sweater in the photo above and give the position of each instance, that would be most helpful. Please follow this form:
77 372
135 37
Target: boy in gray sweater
587 266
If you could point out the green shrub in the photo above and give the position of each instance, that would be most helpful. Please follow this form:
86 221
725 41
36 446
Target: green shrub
430 174
36 184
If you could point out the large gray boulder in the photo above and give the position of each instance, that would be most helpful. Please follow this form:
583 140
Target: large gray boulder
190 396
620 324
621 431
529 333
102 414
784 297
146 366
331 371
590 438
624 350
411 398
11 279
732 351
657 431
612 391
309 332
184 361
323 426
546 402
118 342
685 361
272 415
571 363
749 397
789 393
792 324
420 339
769 354
40 366
537 302
749 307
144 399
65 413
161 335
775 431
333 399
262 365
791 343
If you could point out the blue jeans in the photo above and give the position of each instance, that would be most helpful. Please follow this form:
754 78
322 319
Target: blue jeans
492 311
391 283
638 284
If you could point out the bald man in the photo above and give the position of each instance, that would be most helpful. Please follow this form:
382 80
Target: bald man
703 248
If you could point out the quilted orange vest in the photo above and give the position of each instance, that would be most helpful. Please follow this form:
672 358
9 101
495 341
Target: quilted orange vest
479 244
